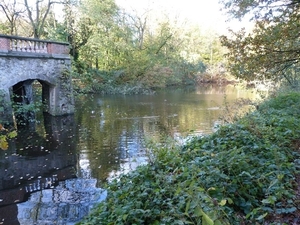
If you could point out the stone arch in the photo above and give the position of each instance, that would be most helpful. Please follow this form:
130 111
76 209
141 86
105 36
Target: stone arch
23 93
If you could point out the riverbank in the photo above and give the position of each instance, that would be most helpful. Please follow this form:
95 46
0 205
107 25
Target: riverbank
108 83
245 173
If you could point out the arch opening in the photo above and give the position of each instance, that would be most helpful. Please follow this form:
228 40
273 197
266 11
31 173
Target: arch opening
29 99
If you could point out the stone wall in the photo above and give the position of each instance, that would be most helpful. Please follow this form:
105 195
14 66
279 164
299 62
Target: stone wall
15 70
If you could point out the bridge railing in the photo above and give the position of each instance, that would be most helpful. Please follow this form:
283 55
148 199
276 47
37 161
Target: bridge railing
31 45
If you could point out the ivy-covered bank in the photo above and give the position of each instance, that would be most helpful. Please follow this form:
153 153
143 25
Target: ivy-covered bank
245 173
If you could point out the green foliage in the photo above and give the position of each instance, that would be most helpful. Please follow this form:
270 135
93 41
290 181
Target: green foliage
270 51
55 31
242 174
20 108
4 28
5 135
26 112
95 81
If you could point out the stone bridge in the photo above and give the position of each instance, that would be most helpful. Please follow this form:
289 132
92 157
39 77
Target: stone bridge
25 60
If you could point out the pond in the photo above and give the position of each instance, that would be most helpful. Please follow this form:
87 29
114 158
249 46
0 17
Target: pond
54 170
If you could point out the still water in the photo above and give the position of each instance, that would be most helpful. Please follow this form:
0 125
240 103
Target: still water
53 171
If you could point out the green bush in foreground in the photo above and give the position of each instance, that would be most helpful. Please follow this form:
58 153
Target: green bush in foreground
242 174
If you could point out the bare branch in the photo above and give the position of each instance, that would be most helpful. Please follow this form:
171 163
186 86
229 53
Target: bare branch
38 22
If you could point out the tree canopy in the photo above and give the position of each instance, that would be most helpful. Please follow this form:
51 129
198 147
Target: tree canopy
271 50
112 46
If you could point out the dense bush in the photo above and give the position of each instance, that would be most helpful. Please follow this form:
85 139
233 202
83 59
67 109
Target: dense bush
242 174
140 82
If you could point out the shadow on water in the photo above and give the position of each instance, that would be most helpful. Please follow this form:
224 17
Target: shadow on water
37 161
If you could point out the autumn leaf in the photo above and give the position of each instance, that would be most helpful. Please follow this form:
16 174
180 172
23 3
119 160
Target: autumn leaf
3 143
2 127
3 139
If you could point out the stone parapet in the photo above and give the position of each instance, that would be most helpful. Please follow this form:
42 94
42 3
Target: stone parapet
10 43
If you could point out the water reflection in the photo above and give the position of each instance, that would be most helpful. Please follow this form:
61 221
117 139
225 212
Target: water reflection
113 128
66 204
53 174
36 161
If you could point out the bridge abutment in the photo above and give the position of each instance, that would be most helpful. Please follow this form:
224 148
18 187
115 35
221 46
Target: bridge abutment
60 97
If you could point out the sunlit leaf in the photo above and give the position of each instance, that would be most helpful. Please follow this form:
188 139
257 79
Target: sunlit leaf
12 134
223 202
262 216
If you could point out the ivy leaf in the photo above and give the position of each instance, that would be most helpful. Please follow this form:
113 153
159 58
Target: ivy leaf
262 216
125 217
206 220
198 211
218 222
223 202
187 207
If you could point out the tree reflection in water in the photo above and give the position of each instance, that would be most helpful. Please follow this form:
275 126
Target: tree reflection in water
39 167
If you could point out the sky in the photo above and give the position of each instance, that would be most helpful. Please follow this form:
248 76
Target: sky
205 13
